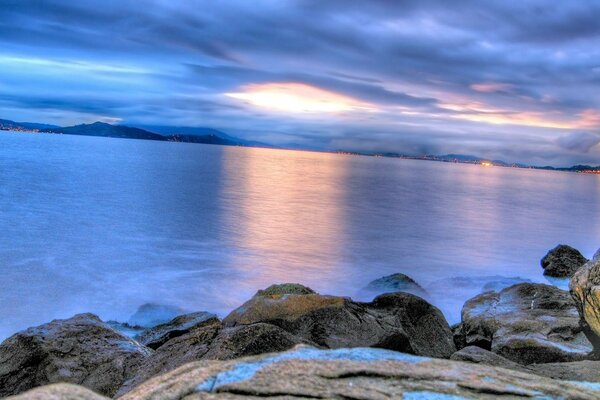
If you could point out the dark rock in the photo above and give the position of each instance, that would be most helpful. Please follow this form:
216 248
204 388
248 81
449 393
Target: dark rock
357 373
458 336
395 283
213 342
478 355
588 371
159 335
81 350
150 315
397 321
526 323
562 261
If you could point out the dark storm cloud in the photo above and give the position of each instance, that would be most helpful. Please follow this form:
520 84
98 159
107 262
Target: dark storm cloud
466 75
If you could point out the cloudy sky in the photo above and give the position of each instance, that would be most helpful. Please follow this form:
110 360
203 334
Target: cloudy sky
511 79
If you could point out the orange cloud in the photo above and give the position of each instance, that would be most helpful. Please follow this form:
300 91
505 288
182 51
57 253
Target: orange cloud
489 87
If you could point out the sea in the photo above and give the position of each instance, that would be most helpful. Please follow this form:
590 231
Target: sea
104 225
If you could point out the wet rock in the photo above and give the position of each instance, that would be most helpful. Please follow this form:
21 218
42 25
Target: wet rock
396 321
478 355
585 289
357 373
526 323
59 391
562 261
586 370
150 315
81 350
213 342
395 283
159 335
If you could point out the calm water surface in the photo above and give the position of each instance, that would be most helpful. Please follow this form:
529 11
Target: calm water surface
105 225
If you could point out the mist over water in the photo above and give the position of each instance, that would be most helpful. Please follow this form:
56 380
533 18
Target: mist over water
105 225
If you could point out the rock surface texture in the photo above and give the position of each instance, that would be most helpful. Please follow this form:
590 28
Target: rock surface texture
395 321
526 323
352 374
59 391
395 283
159 335
562 261
585 289
81 350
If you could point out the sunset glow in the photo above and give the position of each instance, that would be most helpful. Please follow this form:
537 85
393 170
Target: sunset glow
297 98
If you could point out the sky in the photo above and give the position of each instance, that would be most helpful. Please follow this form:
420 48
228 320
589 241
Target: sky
517 80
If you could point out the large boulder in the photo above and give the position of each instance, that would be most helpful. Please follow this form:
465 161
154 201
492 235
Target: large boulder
214 342
585 289
81 350
396 321
587 370
562 261
159 335
526 323
150 315
395 283
357 373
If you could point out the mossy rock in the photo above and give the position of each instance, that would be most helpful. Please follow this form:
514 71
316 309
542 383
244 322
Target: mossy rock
283 289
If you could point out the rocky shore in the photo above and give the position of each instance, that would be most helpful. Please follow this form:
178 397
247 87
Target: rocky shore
526 340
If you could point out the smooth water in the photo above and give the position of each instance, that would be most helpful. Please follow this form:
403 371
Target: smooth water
105 225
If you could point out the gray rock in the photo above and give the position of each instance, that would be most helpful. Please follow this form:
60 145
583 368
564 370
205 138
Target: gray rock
81 350
150 315
58 391
395 283
478 355
159 335
588 371
562 261
213 342
596 256
397 321
357 373
526 323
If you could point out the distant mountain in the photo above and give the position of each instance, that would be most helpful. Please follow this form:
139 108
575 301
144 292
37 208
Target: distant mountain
7 125
205 139
107 130
208 135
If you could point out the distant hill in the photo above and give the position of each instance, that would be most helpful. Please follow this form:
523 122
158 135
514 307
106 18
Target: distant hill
107 130
207 135
7 125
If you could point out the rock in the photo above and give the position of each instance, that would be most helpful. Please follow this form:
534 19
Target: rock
526 323
284 288
562 261
159 335
81 350
59 391
125 328
357 373
395 283
596 256
478 355
586 370
213 342
396 321
458 336
150 315
585 289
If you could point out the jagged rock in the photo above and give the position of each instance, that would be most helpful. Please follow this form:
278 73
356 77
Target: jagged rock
357 373
395 283
585 289
586 370
562 261
159 335
150 315
81 350
213 342
396 321
58 391
596 256
478 355
526 323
